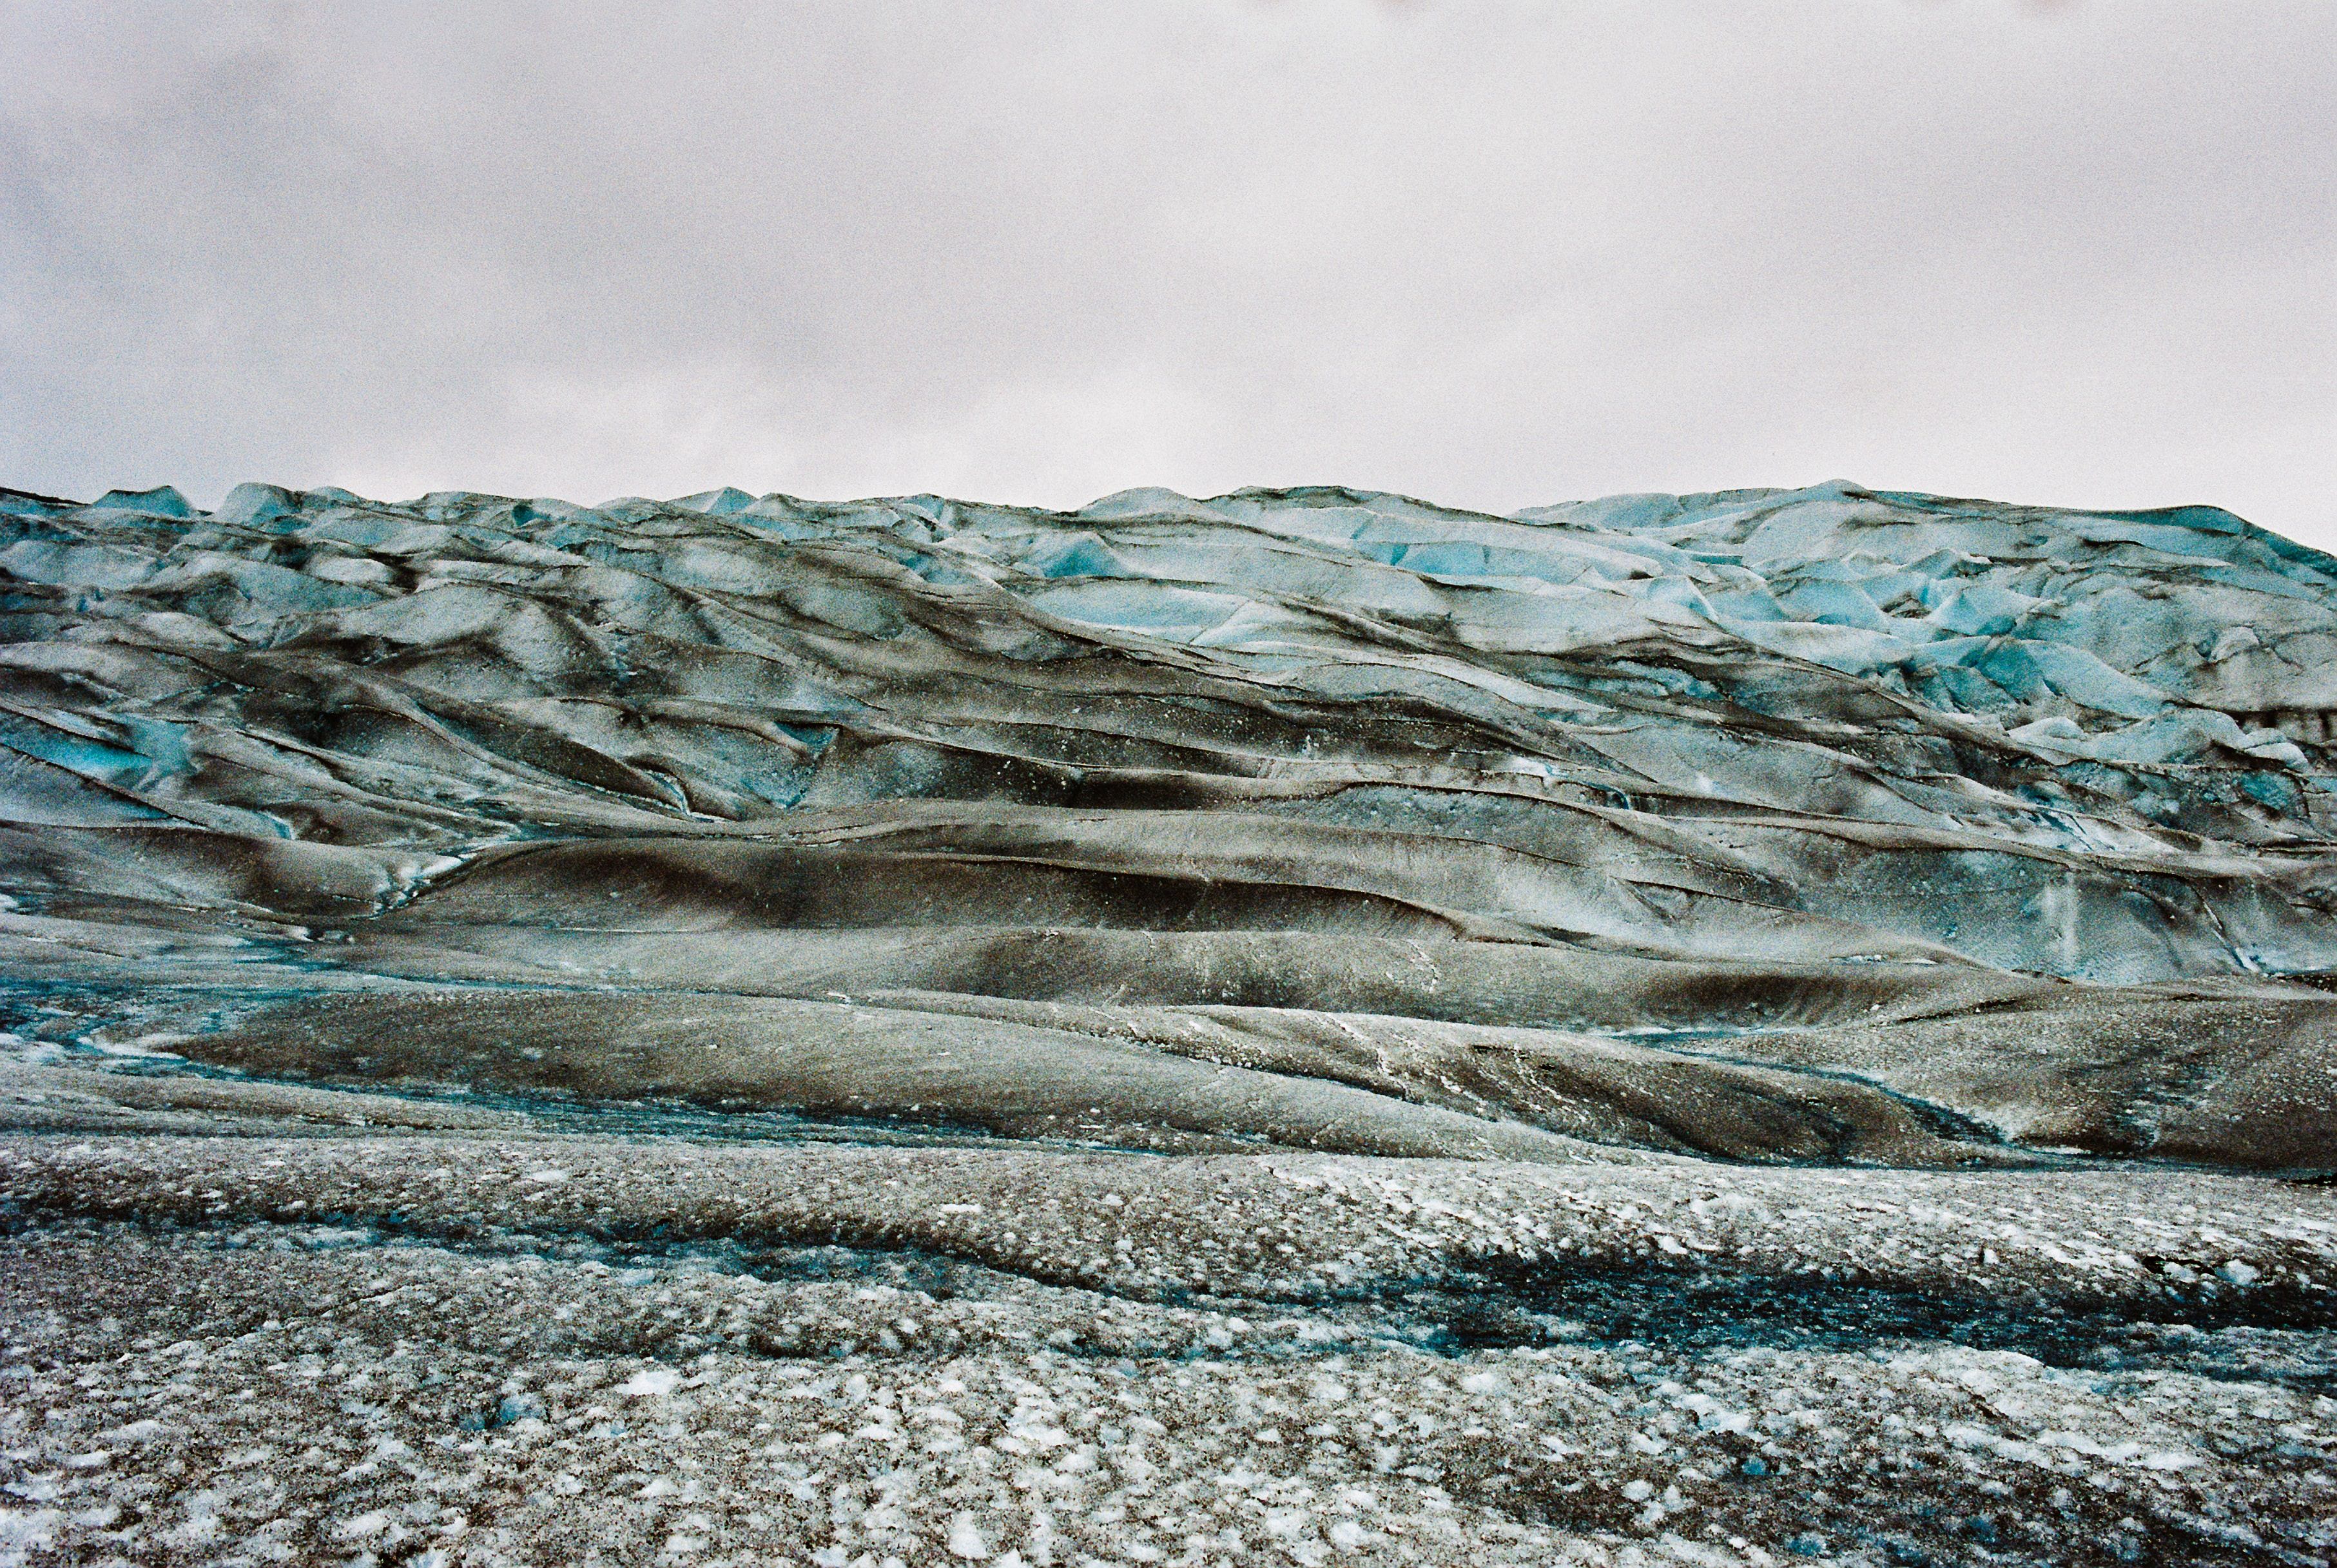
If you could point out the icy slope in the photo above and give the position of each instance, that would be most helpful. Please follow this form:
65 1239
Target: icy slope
1278 767
2071 743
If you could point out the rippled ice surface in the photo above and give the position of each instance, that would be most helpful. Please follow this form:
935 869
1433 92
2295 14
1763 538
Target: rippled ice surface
1308 1026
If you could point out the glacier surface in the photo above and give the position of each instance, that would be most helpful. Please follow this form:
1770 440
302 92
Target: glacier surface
1726 1028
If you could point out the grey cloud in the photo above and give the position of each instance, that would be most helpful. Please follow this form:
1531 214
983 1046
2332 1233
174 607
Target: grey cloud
1498 254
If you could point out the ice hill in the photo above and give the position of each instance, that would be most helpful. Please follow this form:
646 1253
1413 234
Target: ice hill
1491 817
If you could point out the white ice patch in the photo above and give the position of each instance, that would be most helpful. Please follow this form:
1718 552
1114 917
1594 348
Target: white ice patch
650 1383
965 1540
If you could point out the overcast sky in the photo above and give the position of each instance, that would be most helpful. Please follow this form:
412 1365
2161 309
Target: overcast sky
1494 254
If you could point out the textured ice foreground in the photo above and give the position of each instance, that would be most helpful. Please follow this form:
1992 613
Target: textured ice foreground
1303 1026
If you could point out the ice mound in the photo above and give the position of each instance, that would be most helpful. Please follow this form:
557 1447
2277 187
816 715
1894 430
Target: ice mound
2076 743
1303 784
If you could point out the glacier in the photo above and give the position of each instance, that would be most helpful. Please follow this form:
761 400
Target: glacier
1736 1027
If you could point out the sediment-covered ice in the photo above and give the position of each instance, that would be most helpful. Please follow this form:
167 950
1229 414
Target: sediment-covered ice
569 1349
1299 1025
